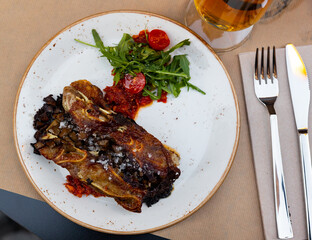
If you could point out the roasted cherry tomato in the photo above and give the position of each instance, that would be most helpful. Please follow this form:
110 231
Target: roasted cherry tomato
141 37
134 84
158 39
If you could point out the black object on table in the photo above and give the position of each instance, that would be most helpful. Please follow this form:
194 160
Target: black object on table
42 220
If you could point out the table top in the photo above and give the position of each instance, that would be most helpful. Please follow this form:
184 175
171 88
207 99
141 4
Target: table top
233 212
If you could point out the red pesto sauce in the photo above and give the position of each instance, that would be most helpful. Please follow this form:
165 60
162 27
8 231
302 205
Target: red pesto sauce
127 103
121 101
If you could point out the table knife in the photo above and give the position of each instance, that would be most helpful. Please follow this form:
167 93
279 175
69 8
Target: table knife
300 96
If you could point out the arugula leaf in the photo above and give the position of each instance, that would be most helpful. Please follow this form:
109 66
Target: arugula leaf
150 94
124 46
185 42
184 63
98 41
195 88
88 44
117 77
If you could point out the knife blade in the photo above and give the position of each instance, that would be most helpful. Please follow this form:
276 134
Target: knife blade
300 96
299 86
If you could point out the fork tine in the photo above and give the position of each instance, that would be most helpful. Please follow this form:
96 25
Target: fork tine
262 65
256 65
274 63
268 66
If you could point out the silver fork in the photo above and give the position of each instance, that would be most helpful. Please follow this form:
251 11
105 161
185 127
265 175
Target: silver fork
266 88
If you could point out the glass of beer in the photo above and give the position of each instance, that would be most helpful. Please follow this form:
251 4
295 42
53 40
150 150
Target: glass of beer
224 24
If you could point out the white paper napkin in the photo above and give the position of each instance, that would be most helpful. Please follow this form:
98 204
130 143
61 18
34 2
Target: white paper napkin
259 126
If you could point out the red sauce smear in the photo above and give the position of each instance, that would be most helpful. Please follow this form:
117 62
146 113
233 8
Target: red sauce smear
122 101
141 37
78 188
163 97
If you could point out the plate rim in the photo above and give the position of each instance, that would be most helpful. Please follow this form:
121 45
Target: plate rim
212 192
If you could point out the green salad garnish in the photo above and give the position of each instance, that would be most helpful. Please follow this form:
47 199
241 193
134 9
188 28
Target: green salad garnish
162 71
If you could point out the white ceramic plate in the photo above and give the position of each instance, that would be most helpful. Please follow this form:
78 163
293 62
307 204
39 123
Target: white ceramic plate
204 129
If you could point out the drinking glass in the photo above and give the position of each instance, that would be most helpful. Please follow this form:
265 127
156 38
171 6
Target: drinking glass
224 24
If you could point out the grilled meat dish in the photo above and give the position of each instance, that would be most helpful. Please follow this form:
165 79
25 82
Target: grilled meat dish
106 150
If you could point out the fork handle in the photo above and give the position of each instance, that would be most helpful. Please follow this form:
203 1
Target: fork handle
284 228
307 178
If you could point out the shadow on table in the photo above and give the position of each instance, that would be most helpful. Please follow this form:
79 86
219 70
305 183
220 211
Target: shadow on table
39 218
10 230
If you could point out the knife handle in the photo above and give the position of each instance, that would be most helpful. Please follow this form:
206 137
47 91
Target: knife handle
307 178
284 228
